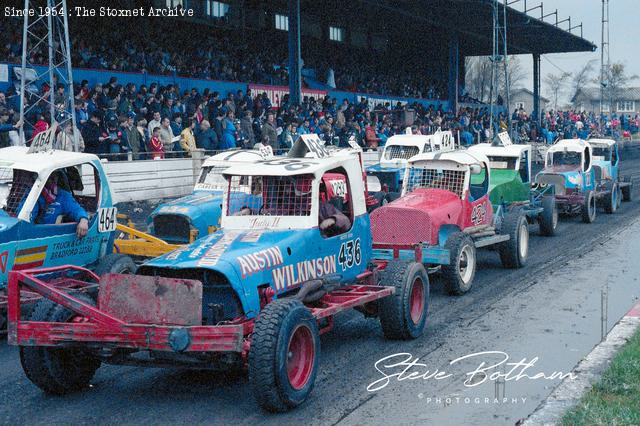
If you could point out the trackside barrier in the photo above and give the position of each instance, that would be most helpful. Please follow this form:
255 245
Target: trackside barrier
138 180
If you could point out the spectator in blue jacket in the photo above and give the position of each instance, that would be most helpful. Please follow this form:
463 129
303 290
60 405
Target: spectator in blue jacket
229 132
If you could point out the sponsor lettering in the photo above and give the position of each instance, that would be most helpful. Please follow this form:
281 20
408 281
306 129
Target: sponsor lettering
212 255
291 275
251 237
74 247
260 261
264 222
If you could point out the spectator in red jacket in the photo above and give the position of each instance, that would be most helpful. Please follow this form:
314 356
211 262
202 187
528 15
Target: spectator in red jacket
157 150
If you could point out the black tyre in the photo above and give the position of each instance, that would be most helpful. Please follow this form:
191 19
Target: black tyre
458 274
403 315
58 371
548 219
3 319
515 251
284 355
115 263
627 189
611 201
588 210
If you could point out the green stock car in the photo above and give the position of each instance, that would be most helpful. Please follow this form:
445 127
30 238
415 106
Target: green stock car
511 185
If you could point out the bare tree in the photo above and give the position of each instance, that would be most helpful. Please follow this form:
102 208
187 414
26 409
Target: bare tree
616 83
478 77
516 75
580 80
556 84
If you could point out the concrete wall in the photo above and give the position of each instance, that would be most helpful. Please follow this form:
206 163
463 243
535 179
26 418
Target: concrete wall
168 178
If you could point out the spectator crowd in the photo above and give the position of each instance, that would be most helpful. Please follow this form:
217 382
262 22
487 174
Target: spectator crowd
115 120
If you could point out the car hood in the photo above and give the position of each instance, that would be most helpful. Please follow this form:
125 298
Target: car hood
415 217
246 252
572 174
192 205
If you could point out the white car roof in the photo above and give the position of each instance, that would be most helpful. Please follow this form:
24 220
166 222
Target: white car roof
236 156
408 140
576 145
606 142
42 162
460 157
502 151
292 166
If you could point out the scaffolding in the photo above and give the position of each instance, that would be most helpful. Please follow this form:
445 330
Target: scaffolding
48 30
605 64
499 59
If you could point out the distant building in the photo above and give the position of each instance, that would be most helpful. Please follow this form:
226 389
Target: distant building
589 100
523 98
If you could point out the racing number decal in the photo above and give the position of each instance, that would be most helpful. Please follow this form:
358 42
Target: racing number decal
291 165
316 146
107 219
350 254
478 214
339 188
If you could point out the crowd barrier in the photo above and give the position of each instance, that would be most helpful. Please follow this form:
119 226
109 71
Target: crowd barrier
139 180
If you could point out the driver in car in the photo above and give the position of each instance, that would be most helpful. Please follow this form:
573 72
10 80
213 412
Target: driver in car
54 202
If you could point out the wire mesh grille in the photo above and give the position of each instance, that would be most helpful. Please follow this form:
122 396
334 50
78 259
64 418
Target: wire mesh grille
394 152
449 180
211 178
270 195
14 188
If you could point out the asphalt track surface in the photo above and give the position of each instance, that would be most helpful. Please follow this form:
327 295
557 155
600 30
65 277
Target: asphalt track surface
132 395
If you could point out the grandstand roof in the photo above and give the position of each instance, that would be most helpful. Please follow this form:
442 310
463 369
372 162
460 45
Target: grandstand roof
472 19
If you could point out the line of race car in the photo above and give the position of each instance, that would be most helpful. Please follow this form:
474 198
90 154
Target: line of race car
250 269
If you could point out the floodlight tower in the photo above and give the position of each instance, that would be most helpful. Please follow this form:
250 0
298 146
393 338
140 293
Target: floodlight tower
605 61
48 29
499 57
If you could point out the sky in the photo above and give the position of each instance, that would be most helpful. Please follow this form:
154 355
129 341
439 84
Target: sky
624 34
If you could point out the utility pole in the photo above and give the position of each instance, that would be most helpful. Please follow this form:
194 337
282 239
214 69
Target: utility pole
51 31
604 62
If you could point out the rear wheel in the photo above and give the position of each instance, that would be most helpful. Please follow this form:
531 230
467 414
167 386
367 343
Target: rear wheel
588 210
115 263
403 315
611 202
459 273
627 189
548 219
283 359
58 370
515 251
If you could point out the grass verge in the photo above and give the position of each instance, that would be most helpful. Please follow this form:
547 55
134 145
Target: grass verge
615 399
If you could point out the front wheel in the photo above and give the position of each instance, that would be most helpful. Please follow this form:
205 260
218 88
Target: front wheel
588 210
283 359
459 273
611 202
515 251
115 263
58 371
548 219
403 315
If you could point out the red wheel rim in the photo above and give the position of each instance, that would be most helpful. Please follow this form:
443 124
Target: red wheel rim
300 357
417 301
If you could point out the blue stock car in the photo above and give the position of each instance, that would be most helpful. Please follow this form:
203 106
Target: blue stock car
294 248
583 178
25 244
186 219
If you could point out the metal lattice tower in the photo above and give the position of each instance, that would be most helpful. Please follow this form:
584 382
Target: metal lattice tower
499 57
605 60
46 36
